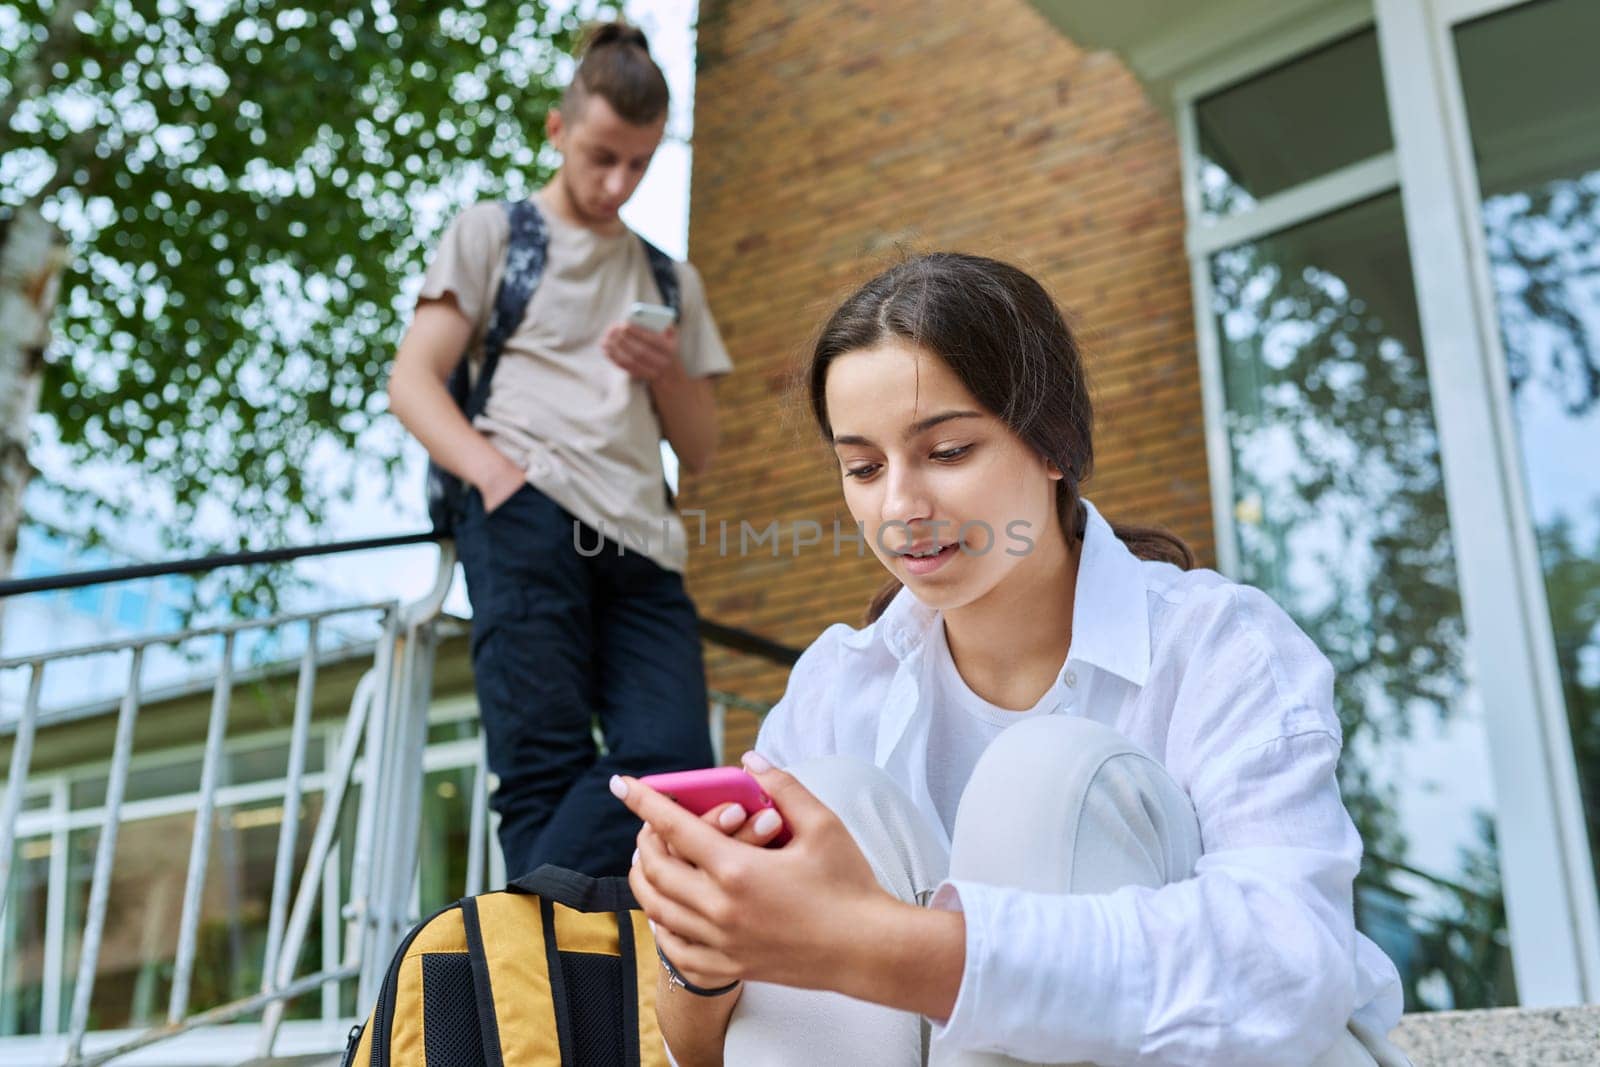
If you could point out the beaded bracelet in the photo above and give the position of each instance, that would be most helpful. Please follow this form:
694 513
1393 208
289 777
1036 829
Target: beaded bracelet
674 978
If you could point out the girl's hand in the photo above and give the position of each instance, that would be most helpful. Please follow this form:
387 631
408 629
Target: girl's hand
726 908
730 819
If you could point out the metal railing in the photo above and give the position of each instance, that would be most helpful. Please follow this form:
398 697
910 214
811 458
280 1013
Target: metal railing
381 744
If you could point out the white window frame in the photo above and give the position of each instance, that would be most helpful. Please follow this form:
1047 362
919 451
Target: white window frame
1544 839
1203 237
1554 922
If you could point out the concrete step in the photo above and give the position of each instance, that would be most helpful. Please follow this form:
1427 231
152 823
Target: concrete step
1502 1037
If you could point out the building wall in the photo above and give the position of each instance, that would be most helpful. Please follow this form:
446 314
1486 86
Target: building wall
832 136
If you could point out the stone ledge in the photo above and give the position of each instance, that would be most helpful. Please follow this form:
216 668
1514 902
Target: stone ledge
1500 1037
1504 1037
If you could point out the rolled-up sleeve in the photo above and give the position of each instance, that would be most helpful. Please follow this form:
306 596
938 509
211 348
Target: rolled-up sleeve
1250 961
467 258
700 343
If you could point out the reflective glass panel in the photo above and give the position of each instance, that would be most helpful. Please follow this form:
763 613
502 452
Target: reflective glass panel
1339 512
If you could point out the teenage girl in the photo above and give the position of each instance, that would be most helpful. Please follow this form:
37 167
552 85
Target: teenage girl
1065 799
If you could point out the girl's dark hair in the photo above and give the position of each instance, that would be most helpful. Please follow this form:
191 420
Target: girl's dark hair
1008 342
614 63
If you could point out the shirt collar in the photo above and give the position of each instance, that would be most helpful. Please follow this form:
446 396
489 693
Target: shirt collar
906 624
1111 600
1111 603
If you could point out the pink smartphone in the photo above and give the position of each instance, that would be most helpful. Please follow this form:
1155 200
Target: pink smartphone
700 791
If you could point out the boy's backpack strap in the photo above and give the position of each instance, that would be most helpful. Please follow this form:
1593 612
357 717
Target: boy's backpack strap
665 271
525 257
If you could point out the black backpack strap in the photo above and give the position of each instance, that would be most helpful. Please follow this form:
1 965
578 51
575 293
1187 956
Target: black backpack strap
630 990
525 257
483 992
578 891
665 271
558 982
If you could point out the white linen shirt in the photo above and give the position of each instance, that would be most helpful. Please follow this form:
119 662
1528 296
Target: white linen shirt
1255 959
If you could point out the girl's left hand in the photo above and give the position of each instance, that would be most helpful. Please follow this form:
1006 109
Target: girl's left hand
724 906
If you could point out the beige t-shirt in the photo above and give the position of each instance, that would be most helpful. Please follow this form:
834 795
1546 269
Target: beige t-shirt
586 433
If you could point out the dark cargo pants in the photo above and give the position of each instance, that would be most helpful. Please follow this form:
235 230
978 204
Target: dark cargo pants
561 640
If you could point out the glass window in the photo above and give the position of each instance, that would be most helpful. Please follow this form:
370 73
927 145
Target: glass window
452 730
257 763
446 821
1532 88
22 939
1339 512
1296 122
263 762
139 948
144 783
349 818
169 617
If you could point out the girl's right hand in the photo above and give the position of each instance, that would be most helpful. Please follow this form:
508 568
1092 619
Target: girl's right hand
730 819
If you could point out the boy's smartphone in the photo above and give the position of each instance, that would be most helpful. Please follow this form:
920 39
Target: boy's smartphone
653 317
700 791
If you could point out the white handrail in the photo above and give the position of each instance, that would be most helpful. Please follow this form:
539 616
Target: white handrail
21 756
100 887
288 830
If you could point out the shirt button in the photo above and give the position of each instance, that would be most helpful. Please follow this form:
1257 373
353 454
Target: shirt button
1071 679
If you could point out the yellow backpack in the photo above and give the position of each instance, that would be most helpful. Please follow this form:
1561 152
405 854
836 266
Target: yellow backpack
556 970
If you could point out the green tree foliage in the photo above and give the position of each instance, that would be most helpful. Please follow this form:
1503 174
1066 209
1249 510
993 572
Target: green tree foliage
246 186
1544 245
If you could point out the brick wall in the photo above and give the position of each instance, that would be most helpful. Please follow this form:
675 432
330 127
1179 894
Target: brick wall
829 136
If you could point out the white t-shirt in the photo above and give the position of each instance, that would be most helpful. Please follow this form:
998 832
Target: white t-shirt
962 726
586 432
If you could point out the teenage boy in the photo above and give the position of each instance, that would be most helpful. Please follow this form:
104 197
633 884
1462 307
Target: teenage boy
573 553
